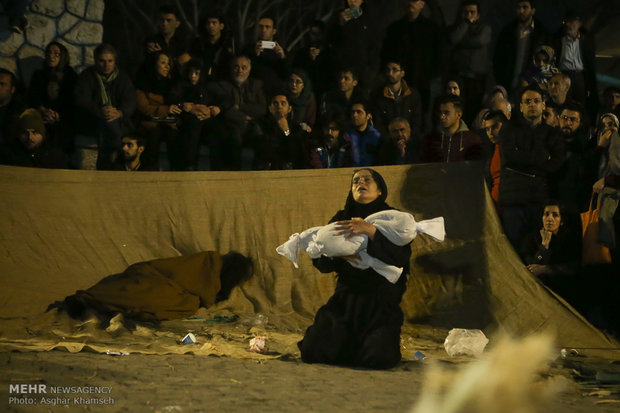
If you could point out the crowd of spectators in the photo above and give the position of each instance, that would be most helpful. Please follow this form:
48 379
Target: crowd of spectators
529 110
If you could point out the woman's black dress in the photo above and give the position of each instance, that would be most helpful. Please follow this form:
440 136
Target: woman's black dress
360 324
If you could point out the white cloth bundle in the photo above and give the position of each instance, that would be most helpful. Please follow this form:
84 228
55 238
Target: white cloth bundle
400 228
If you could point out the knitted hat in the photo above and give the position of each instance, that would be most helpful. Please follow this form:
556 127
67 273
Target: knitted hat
31 119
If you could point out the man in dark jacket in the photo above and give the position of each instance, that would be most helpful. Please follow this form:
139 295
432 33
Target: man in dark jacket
531 151
10 106
105 100
214 47
415 41
396 99
515 44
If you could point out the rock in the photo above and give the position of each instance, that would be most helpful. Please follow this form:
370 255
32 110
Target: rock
75 53
85 33
66 22
77 7
95 10
10 45
40 31
9 63
52 8
89 57
28 51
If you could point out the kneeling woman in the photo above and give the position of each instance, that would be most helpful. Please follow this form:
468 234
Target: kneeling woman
360 324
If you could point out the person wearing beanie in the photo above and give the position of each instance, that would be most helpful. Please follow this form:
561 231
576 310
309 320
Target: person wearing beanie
31 147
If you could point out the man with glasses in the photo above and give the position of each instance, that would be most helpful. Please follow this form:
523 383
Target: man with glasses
396 99
530 152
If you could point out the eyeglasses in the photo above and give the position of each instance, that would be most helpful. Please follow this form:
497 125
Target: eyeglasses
365 178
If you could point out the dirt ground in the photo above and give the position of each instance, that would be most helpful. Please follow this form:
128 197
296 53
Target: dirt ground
189 383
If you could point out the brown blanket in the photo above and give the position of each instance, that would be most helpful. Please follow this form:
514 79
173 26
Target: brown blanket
157 290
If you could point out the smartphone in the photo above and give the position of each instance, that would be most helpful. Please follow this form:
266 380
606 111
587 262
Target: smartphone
266 44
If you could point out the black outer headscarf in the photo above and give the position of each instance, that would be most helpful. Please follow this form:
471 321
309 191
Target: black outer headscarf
354 209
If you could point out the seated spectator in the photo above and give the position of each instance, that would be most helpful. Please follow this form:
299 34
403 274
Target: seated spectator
247 105
213 47
130 157
168 39
269 60
313 57
105 100
332 146
455 142
337 101
553 252
156 112
396 99
398 148
32 148
558 88
10 107
551 114
283 144
541 70
51 92
365 139
301 98
202 104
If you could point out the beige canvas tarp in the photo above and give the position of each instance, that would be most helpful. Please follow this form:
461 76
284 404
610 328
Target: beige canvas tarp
64 230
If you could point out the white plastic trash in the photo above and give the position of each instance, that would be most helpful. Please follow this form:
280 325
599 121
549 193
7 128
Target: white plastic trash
463 342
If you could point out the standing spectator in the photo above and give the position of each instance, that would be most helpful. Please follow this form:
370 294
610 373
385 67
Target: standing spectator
455 142
313 57
214 47
398 148
301 97
105 99
415 41
51 92
470 39
493 124
396 99
576 57
611 100
269 60
558 88
530 152
352 40
31 148
515 44
168 39
247 104
10 106
364 138
453 88
283 144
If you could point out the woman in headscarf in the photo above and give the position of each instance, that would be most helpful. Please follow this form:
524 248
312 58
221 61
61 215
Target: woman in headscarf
360 324
301 98
51 93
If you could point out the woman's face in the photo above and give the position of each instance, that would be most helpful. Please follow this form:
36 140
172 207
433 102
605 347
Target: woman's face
354 4
163 65
552 218
52 56
364 187
295 84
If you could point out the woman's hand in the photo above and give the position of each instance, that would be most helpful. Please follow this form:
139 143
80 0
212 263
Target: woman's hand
537 269
546 238
355 226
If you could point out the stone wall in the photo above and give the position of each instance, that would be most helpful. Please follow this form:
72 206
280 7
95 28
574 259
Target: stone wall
75 23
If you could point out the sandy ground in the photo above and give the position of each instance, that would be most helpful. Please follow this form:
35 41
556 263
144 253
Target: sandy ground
189 383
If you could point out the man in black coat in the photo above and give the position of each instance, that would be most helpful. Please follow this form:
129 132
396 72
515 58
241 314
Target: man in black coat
530 153
515 44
